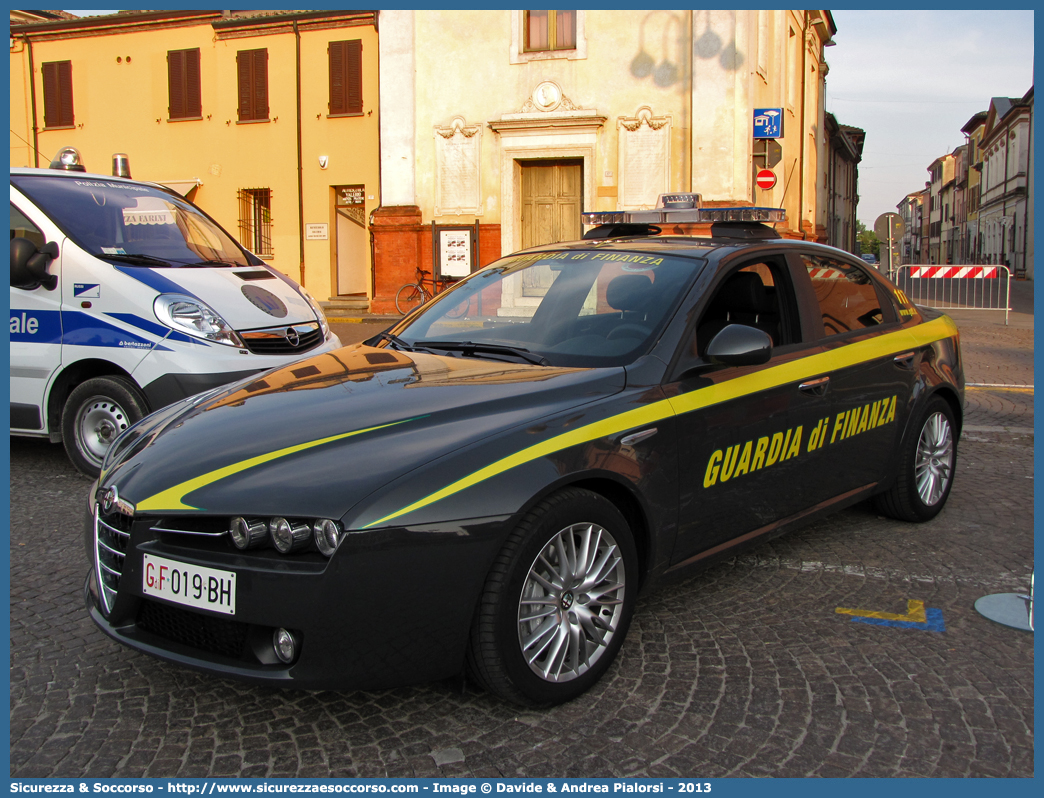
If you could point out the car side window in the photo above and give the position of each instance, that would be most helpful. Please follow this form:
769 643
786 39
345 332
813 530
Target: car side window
846 295
756 295
21 227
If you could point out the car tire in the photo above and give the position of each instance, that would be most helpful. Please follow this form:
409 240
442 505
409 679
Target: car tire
97 411
536 662
927 464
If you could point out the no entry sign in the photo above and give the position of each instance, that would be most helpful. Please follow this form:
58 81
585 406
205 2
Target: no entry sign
766 178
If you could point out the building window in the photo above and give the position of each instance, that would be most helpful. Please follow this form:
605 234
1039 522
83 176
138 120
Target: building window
252 66
345 78
183 84
58 98
255 220
550 30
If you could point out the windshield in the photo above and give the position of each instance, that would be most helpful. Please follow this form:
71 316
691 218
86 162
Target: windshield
131 222
567 308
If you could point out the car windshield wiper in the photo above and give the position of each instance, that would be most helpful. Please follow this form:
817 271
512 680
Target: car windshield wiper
141 260
470 349
212 263
394 340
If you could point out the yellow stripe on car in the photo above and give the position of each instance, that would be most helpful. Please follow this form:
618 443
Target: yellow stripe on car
844 356
173 498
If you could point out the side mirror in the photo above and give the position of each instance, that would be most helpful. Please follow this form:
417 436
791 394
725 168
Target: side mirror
740 345
29 264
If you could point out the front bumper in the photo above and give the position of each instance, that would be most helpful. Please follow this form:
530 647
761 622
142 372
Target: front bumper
391 607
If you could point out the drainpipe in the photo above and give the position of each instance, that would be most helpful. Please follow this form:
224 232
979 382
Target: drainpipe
801 142
32 95
300 169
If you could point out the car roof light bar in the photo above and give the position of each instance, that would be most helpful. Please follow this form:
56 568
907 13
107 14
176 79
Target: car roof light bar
686 208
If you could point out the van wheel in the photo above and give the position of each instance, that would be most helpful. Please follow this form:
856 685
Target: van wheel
95 413
557 601
926 467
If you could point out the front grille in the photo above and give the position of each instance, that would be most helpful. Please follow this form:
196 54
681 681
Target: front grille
280 340
111 540
203 632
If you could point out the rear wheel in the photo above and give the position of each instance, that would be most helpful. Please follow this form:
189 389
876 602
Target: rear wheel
926 467
95 413
409 297
557 602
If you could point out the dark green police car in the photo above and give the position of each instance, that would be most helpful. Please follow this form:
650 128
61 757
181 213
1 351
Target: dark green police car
489 484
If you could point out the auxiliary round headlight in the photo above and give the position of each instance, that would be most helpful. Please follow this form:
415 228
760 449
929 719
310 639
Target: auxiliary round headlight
287 537
285 645
327 535
247 534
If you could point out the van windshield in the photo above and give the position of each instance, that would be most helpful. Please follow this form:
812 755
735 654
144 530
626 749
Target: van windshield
131 223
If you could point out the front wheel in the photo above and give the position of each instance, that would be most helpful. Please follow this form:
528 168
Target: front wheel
926 467
95 413
557 602
409 297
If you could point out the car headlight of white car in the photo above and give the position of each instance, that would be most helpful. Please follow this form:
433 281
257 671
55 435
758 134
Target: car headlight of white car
193 317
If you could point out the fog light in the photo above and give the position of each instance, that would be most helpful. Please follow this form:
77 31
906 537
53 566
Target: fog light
287 537
247 534
327 535
285 645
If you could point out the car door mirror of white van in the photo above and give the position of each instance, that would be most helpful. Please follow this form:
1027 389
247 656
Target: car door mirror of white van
29 264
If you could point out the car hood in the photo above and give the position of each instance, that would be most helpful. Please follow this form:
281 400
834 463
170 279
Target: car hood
315 437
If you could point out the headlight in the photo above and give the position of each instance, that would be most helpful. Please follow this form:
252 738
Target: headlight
193 317
287 537
247 534
327 536
317 310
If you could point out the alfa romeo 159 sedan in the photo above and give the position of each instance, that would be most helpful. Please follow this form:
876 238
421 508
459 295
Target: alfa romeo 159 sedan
488 485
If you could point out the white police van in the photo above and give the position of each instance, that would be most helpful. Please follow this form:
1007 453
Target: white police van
125 297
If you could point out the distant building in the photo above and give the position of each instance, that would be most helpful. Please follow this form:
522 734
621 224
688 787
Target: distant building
973 130
939 187
911 209
1003 215
841 193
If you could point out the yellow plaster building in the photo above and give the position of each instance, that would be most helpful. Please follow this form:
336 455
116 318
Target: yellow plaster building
516 121
266 120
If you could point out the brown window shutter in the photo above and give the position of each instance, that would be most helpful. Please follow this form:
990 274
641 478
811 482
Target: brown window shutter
353 75
193 93
65 82
52 101
260 84
58 100
338 100
176 84
244 62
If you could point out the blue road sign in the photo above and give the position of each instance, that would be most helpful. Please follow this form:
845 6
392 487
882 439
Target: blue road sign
768 123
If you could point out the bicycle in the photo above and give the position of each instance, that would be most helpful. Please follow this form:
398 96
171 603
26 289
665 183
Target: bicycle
413 295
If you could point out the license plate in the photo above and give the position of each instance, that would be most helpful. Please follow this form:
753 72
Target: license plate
191 585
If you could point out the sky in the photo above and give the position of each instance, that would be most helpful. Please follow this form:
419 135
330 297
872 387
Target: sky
911 80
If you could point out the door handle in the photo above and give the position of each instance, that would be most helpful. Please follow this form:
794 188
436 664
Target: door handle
905 360
818 386
638 437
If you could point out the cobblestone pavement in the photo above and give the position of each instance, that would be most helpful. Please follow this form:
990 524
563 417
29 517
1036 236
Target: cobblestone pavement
743 670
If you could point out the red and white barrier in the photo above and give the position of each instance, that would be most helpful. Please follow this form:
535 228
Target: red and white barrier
972 272
974 287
